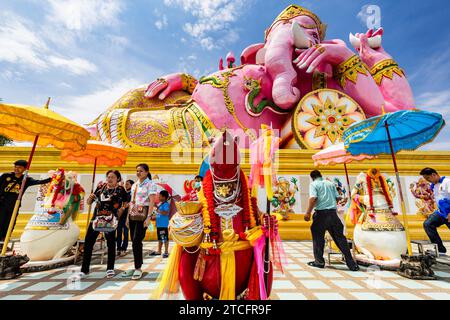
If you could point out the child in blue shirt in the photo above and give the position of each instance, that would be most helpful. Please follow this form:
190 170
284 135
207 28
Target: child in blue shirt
162 224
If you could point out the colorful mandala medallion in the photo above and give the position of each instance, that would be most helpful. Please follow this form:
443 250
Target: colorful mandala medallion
322 116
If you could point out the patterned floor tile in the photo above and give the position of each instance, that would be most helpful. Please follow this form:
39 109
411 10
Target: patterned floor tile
330 274
18 297
440 284
314 284
132 296
329 296
11 286
438 295
291 296
113 285
411 284
42 286
96 296
404 296
378 284
301 274
346 284
57 297
282 284
79 286
145 285
366 296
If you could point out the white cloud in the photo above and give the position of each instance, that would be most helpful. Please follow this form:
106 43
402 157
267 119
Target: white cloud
25 45
212 16
19 43
162 23
85 108
76 66
81 15
438 101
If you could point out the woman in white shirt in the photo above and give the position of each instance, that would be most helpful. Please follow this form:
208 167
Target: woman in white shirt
141 205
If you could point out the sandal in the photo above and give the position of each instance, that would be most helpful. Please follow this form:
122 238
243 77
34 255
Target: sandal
127 274
165 255
137 274
154 253
110 274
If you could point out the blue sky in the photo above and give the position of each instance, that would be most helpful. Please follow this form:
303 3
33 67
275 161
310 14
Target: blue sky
85 54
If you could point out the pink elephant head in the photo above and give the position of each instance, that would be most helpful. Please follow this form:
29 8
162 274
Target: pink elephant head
295 27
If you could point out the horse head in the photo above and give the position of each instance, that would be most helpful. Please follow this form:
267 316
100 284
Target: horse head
225 157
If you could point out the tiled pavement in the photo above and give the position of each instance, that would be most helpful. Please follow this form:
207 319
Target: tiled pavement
299 282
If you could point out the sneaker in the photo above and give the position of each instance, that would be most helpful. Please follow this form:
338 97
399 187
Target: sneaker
137 274
354 268
110 274
316 265
127 274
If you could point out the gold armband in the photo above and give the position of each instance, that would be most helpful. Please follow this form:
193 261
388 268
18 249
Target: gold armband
385 68
348 70
188 83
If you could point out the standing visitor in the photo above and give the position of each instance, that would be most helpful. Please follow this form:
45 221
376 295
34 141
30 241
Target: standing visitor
323 198
10 184
441 190
142 202
162 224
122 229
111 200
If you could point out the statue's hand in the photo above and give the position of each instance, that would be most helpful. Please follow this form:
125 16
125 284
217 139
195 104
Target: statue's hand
331 52
369 47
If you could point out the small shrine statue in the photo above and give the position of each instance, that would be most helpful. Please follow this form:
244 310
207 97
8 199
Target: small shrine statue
51 231
284 197
425 202
379 236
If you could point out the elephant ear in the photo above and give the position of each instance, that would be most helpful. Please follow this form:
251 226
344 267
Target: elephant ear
251 54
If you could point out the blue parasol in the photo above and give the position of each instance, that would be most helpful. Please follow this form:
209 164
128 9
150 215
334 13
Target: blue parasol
391 133
408 129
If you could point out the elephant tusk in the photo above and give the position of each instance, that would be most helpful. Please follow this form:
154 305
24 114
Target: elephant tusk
300 39
374 42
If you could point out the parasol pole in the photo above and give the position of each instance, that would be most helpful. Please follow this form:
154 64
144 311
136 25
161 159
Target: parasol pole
92 191
347 178
12 222
402 202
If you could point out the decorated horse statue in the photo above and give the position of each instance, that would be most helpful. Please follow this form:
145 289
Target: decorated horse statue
51 231
308 88
379 236
220 240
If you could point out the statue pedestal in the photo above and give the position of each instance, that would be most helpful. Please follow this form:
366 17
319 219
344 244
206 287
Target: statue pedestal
417 267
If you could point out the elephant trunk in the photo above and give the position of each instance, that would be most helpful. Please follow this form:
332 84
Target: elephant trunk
278 60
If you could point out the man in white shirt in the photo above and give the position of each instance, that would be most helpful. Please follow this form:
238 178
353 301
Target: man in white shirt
441 190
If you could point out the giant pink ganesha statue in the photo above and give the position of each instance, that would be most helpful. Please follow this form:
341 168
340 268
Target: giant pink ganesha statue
290 66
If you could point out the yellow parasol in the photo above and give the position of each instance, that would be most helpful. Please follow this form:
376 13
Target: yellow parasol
42 126
96 153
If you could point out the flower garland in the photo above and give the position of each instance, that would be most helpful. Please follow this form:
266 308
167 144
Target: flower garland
383 185
211 221
55 186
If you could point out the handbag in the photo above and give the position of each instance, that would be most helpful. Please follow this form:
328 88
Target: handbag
137 213
105 223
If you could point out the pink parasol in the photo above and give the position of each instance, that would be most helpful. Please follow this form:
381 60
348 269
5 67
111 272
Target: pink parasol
336 154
